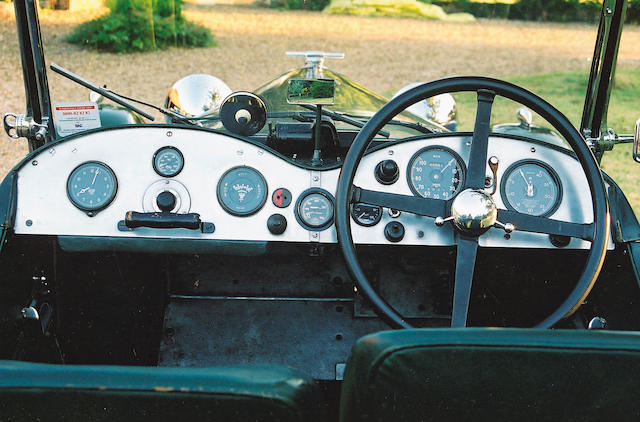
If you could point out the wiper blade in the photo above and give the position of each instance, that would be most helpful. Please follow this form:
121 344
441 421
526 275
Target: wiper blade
342 118
105 93
417 126
412 125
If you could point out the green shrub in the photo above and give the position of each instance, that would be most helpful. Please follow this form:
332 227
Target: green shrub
141 25
531 10
316 5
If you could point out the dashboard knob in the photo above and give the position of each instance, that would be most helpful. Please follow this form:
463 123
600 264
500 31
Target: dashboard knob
277 224
166 201
394 231
387 172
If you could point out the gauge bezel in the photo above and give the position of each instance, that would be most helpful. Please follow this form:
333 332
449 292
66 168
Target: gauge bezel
552 172
455 155
303 196
155 166
354 218
246 213
105 204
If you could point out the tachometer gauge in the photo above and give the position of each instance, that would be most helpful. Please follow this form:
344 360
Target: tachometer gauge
168 161
531 187
365 214
91 186
242 191
314 209
436 172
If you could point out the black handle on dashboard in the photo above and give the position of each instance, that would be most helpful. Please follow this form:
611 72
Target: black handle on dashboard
163 220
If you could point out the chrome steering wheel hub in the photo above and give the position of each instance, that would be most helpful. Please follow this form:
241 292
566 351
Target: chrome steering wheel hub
473 212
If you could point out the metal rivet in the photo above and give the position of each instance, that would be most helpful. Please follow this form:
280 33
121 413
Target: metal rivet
239 152
52 151
34 163
74 150
420 234
468 143
29 223
169 134
260 152
316 178
314 235
390 152
533 149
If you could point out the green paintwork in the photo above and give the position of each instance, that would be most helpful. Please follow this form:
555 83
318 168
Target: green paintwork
111 115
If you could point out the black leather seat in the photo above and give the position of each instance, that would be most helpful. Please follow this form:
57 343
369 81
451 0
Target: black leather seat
493 375
43 392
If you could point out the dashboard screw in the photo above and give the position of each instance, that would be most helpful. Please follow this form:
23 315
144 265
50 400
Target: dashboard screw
52 151
316 178
260 152
533 149
29 223
390 152
34 163
169 134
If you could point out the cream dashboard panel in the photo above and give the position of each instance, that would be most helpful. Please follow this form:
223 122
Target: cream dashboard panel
44 208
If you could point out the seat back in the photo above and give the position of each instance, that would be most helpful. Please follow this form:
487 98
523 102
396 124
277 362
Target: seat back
43 392
494 375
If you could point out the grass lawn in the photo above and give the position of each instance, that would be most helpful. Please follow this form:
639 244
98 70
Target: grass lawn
566 92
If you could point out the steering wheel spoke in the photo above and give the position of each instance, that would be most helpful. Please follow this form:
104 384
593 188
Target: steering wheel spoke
408 203
465 265
534 224
479 144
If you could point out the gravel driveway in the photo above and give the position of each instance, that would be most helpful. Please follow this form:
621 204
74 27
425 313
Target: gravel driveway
381 53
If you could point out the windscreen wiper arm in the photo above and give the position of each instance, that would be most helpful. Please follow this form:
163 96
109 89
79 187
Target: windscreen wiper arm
105 93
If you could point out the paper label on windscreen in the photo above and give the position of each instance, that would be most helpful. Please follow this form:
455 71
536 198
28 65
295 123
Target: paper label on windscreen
72 118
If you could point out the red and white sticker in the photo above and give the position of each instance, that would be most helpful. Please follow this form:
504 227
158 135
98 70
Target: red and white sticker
75 117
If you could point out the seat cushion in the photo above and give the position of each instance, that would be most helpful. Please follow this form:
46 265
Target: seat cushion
44 392
493 374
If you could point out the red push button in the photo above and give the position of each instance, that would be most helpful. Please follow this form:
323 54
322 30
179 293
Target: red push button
281 198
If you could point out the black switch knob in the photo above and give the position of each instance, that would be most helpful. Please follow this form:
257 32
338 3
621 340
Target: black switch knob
387 172
166 201
394 231
277 224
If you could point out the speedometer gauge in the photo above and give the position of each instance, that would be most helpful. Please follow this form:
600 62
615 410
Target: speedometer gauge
91 186
436 172
531 187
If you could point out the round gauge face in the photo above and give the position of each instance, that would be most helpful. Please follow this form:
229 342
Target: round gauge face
436 172
314 209
531 187
242 191
365 214
168 161
91 186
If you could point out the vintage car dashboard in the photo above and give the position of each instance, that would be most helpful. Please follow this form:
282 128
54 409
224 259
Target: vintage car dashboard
87 185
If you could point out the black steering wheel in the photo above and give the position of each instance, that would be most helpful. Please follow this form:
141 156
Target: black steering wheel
472 212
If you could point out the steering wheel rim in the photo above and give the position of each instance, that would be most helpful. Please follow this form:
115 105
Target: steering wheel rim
597 232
